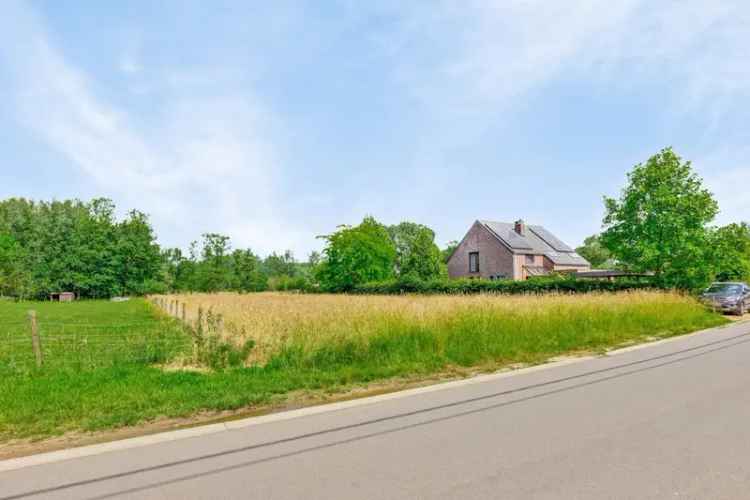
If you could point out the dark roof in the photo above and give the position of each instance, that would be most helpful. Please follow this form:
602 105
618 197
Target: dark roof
537 240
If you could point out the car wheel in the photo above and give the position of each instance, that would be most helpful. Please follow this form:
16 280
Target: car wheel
742 308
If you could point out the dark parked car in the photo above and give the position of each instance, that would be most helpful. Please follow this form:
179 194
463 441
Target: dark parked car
728 297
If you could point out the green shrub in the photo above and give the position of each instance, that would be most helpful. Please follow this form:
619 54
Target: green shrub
555 284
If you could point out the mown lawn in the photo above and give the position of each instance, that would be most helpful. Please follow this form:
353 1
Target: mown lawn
109 375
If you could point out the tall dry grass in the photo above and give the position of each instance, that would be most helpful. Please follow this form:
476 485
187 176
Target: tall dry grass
466 329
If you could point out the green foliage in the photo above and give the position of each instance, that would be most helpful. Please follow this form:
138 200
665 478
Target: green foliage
659 223
75 246
417 255
14 277
214 267
554 284
594 252
730 246
280 265
356 255
247 272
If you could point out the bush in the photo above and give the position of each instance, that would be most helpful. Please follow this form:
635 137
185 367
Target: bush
555 284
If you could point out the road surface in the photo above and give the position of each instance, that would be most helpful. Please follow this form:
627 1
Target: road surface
665 421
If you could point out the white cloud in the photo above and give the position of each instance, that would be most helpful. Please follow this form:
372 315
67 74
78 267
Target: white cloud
726 172
208 165
475 55
468 64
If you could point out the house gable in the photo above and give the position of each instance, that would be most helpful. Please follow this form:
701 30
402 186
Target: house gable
495 259
512 250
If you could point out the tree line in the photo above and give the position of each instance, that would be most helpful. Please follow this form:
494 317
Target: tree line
662 222
48 247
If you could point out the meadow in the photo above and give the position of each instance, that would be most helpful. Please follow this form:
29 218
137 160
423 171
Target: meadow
132 363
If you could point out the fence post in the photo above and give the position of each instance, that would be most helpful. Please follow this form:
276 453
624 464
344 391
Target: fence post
184 316
198 336
35 342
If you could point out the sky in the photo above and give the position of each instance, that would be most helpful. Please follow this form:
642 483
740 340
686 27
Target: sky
275 122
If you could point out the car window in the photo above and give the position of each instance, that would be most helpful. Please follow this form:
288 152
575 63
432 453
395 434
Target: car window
725 288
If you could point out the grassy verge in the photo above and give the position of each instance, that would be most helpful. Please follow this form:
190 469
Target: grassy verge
339 342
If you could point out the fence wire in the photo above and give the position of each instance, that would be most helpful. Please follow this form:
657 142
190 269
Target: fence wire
84 346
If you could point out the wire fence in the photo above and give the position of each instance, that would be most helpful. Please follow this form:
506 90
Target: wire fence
38 345
85 346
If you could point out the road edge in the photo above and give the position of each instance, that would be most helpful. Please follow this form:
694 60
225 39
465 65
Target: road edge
213 428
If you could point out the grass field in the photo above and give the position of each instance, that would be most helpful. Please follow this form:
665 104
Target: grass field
302 342
86 335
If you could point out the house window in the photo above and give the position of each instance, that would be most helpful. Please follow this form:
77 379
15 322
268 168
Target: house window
529 260
473 262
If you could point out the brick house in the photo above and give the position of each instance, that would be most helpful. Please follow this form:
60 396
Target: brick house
501 250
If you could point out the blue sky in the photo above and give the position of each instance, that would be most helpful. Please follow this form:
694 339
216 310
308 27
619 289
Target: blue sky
274 122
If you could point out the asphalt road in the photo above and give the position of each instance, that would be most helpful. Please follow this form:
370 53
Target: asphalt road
665 421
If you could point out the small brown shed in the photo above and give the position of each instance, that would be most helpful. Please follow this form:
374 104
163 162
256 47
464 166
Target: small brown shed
62 296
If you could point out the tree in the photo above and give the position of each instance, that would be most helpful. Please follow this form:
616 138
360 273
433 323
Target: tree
138 257
15 280
213 272
80 247
355 255
417 255
730 246
280 265
247 272
660 222
594 252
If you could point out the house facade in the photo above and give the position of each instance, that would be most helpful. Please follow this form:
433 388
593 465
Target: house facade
517 251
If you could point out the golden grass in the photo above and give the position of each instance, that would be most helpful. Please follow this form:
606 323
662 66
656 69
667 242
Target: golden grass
275 319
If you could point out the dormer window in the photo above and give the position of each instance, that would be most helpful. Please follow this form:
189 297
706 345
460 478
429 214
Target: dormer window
473 262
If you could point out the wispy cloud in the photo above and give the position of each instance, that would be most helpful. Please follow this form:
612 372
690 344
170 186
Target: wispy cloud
471 65
459 56
209 164
726 172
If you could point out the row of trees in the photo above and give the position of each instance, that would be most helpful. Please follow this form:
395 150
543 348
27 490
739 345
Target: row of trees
75 246
663 222
216 267
81 247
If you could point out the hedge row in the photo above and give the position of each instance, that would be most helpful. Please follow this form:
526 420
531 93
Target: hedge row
468 286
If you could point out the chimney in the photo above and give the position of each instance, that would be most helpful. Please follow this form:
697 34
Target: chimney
521 227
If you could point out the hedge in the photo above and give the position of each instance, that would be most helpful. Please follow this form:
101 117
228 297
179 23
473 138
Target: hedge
469 286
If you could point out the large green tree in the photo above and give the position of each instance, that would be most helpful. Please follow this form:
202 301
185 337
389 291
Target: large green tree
660 222
417 255
75 246
730 246
355 255
594 251
247 272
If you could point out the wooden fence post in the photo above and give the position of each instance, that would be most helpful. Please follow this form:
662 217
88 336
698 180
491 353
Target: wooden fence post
35 341
184 316
198 336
